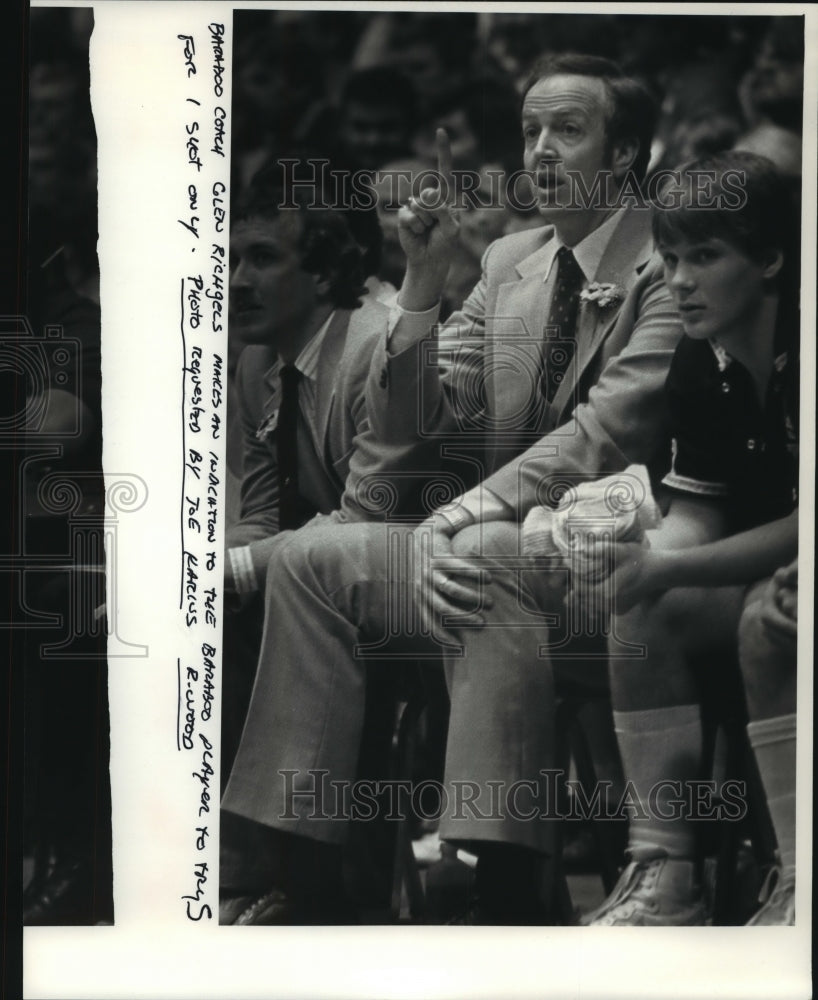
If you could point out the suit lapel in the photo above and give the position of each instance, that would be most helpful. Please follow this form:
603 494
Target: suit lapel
332 349
625 256
329 360
630 247
515 335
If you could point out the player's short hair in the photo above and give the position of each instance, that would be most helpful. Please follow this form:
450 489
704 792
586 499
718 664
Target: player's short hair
736 196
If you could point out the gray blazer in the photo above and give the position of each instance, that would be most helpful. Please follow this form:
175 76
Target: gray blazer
475 381
356 476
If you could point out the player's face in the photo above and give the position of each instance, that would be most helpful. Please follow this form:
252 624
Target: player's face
716 287
271 296
564 120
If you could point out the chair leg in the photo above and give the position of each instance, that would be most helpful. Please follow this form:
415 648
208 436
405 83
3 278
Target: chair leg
556 889
414 886
608 848
741 764
404 866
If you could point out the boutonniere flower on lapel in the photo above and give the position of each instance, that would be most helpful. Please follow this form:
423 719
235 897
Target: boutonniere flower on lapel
602 294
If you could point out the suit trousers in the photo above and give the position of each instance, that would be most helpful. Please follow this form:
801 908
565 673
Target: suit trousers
338 598
532 649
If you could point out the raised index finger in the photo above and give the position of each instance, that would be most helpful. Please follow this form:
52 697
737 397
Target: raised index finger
444 161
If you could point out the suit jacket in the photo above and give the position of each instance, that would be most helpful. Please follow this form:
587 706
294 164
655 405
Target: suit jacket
477 381
355 477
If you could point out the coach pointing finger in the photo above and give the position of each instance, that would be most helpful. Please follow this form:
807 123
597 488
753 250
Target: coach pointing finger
428 229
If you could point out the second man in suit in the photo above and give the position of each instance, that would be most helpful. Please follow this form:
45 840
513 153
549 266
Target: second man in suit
302 310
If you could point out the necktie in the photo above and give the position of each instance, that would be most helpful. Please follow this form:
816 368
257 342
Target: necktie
289 501
560 334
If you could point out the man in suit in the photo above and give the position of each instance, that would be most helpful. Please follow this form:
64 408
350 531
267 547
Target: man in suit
537 386
299 302
300 305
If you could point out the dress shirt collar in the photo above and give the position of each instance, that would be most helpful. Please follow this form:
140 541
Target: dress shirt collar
588 252
724 359
307 360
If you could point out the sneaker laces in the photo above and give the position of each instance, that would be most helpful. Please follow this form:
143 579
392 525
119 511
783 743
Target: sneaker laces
638 875
257 906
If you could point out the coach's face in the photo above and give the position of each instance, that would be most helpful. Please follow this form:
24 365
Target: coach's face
564 122
271 295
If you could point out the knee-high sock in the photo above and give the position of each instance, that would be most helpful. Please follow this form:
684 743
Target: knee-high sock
660 748
773 741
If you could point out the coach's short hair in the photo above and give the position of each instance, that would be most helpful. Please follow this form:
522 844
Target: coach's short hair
633 111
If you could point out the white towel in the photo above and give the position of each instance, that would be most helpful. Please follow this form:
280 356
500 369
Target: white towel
619 507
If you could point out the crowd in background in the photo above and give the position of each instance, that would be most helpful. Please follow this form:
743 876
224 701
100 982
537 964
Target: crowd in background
62 179
67 834
367 91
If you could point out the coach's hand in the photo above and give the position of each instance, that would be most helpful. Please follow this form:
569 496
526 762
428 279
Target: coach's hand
428 229
446 584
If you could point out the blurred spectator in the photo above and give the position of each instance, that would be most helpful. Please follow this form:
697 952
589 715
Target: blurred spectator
67 793
376 117
481 119
71 406
773 92
701 114
657 47
433 50
277 85
62 161
485 212
465 72
516 41
393 186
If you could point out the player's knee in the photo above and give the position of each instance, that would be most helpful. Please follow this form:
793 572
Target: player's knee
754 649
668 618
628 628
